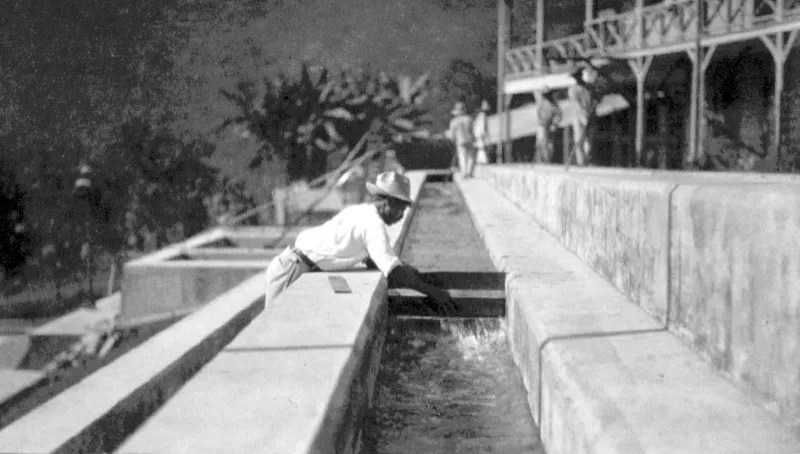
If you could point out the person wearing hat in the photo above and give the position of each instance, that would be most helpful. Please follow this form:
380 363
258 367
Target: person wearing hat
357 234
549 116
583 95
480 130
460 132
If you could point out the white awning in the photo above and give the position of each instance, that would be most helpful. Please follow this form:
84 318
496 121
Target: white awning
538 83
554 81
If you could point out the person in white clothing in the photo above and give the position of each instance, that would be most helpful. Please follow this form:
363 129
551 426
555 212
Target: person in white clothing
460 132
480 130
357 234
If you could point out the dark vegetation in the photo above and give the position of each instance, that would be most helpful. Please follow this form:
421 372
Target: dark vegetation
145 97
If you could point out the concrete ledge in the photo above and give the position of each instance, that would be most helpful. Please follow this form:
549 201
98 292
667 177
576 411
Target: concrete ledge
175 288
736 284
602 375
714 252
619 226
294 381
176 280
677 176
94 414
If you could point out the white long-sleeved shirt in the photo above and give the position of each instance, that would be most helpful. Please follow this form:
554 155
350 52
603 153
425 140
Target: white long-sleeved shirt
460 130
479 128
355 233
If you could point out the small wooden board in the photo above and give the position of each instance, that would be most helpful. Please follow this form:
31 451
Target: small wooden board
339 284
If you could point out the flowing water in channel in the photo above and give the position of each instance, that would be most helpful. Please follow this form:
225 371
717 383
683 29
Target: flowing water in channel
448 385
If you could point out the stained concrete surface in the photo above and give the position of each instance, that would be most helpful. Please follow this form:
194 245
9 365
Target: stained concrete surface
736 284
16 380
713 250
619 226
271 388
94 413
603 376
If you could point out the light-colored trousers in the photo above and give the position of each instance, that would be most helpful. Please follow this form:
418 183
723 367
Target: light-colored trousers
281 272
481 157
466 159
582 140
544 145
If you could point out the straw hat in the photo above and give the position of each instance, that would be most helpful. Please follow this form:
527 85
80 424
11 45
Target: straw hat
391 184
459 109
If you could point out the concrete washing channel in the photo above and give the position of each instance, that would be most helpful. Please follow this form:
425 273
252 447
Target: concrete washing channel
305 374
328 353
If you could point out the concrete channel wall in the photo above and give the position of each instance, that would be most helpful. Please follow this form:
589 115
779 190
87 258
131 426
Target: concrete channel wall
179 279
716 254
231 376
602 374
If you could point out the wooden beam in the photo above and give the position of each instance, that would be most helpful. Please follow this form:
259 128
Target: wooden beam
707 41
639 24
507 144
777 46
589 13
708 54
640 66
779 49
503 37
698 96
540 34
776 107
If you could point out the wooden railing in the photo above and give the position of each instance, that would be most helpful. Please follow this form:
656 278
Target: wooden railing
775 10
664 24
556 52
612 32
667 23
522 60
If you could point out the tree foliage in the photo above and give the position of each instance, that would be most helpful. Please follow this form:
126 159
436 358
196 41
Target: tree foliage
15 242
305 121
151 181
463 81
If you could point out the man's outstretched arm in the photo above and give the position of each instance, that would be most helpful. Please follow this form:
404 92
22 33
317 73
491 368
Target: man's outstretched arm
407 276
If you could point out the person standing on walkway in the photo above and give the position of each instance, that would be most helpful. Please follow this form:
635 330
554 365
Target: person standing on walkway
583 95
480 130
357 234
460 132
549 116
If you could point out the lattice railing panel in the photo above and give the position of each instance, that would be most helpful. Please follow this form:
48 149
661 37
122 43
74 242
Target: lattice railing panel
764 7
568 48
612 32
667 23
663 24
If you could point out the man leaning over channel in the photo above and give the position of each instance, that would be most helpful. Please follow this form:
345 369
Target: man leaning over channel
356 234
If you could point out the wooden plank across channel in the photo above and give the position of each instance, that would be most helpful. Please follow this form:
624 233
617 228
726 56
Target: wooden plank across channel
474 294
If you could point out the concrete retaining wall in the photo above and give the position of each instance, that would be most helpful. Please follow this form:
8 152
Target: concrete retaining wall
716 253
183 277
602 375
617 226
736 283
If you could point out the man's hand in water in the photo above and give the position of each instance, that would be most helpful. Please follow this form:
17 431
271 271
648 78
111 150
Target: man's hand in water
408 277
443 301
